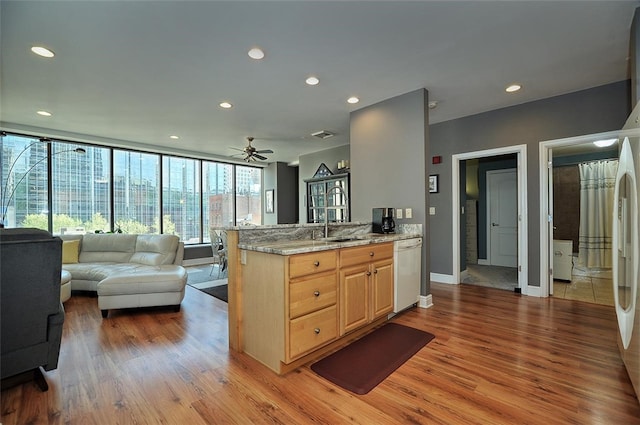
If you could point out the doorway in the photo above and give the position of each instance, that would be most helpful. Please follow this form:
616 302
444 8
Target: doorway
582 282
521 248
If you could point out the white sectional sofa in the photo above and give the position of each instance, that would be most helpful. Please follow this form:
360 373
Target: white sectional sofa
126 271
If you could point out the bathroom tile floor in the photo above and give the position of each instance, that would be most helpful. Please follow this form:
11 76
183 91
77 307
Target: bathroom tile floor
590 285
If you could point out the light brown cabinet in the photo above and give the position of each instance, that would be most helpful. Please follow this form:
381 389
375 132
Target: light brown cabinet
293 306
366 285
312 294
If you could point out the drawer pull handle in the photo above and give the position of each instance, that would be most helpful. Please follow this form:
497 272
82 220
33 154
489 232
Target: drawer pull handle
317 263
368 273
316 293
317 330
375 271
371 254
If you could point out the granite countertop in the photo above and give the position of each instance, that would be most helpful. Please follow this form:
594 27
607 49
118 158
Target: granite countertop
300 246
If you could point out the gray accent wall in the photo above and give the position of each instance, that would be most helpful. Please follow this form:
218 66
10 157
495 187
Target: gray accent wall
595 110
389 151
283 179
308 165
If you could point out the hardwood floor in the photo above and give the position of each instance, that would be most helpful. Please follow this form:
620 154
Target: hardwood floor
498 358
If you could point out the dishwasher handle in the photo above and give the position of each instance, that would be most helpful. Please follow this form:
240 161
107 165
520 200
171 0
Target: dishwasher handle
408 244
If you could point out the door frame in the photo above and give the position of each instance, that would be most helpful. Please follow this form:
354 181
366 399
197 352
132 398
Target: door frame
523 250
489 200
546 198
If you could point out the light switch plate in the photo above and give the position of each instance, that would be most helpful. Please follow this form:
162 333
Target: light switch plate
243 257
408 213
398 212
432 210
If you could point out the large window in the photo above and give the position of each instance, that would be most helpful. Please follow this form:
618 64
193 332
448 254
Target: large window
248 195
81 181
217 196
93 188
181 197
25 194
136 197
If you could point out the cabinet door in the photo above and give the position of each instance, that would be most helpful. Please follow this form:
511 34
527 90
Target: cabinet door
381 288
354 296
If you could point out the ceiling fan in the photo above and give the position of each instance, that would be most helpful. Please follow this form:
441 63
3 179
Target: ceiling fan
250 153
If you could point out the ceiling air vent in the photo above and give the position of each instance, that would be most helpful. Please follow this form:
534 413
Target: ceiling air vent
324 134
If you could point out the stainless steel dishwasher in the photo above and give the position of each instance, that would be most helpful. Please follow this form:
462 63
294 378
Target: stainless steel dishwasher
406 272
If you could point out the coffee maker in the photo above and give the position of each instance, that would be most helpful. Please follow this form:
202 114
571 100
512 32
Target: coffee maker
383 220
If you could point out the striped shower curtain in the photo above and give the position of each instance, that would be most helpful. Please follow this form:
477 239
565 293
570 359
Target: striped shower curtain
597 182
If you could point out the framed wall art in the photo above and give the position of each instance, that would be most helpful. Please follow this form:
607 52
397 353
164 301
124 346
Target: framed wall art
268 201
433 183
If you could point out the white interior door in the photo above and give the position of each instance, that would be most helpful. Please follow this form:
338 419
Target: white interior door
502 191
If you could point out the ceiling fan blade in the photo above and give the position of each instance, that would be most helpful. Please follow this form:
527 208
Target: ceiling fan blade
264 151
236 149
263 158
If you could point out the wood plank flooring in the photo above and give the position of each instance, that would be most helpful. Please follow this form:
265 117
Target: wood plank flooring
498 358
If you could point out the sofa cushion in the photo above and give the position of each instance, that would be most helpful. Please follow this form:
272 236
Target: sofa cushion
145 280
89 271
70 251
101 248
155 250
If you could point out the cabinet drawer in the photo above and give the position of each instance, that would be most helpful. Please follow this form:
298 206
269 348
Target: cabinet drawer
312 331
313 262
313 293
365 254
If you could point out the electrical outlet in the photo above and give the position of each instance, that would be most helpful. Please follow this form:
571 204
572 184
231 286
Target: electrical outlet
398 212
408 213
432 210
243 257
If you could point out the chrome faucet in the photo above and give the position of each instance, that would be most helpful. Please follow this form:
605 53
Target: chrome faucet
326 212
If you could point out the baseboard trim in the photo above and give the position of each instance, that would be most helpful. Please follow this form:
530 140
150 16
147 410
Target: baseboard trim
197 261
442 278
425 301
532 291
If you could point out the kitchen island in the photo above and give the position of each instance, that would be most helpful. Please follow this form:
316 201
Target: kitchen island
293 298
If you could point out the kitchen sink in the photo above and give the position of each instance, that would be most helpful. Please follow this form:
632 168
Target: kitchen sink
340 239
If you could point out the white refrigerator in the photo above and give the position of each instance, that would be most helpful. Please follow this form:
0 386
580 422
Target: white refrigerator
626 251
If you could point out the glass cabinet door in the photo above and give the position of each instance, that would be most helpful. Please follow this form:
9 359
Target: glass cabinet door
337 199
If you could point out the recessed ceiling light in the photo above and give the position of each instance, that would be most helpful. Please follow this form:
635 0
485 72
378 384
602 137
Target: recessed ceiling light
604 143
226 105
312 81
256 53
44 113
174 137
353 100
513 88
42 51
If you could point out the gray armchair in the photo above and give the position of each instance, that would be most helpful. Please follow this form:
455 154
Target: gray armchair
31 315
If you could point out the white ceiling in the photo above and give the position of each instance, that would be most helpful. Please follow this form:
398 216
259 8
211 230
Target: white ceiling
134 73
